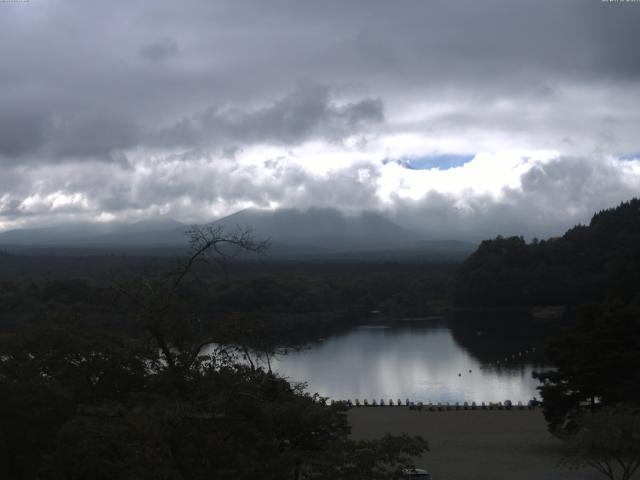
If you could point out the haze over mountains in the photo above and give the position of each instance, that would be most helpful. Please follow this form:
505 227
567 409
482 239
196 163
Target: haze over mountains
290 232
152 233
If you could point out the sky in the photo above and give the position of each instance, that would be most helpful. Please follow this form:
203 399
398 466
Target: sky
455 118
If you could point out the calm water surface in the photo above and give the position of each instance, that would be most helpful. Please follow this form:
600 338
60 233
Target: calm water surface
422 362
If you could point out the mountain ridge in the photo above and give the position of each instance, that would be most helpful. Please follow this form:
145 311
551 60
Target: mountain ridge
290 232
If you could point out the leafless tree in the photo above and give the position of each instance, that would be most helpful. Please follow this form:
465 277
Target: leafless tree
156 296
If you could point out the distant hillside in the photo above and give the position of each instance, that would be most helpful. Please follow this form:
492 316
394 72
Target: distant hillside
325 229
163 232
587 264
314 233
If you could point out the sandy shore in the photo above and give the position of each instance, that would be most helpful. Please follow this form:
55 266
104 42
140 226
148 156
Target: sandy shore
474 445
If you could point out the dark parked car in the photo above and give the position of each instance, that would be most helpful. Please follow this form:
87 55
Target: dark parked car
415 474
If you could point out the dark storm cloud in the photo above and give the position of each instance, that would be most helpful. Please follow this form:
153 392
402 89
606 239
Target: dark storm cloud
27 135
159 50
307 113
90 135
21 131
84 85
79 59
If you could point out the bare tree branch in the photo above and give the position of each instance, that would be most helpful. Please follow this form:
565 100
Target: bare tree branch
160 295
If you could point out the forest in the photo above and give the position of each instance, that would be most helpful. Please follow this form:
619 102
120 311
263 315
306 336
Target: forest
298 301
594 272
589 263
148 372
107 374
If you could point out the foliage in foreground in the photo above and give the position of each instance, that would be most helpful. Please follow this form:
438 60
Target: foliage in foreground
608 441
597 364
81 404
77 403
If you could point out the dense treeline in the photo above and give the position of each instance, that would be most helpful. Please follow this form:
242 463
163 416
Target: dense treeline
594 270
174 402
289 296
82 403
597 363
588 263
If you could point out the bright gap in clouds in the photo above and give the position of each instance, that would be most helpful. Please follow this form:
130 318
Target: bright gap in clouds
482 174
440 162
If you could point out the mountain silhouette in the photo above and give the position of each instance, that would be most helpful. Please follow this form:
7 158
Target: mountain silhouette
290 233
325 229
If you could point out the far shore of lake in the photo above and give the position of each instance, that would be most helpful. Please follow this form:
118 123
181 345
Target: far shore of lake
474 444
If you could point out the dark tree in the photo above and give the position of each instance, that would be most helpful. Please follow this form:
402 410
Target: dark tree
81 402
587 264
608 441
597 363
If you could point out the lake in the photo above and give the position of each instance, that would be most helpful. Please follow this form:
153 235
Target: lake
428 361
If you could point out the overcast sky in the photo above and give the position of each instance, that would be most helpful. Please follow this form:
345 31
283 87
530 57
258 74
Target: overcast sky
458 118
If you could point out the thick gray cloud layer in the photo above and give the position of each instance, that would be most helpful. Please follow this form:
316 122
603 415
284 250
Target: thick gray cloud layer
129 109
306 113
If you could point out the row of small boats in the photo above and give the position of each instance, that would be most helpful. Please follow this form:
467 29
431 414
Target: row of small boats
446 406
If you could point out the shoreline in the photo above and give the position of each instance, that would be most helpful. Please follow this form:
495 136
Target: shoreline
440 406
474 444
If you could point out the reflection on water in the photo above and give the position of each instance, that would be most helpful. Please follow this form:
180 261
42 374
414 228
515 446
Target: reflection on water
419 361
